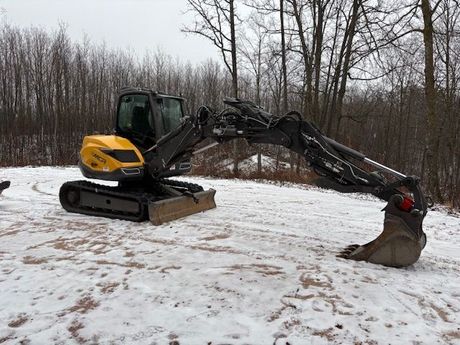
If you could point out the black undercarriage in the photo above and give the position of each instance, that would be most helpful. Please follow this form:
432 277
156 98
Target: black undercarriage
127 201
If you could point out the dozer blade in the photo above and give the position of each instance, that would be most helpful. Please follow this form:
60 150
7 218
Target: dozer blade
400 243
182 206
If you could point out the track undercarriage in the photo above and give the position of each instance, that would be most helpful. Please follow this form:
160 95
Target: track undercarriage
161 201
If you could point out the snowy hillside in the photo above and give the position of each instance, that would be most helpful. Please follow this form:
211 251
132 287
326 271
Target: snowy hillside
259 269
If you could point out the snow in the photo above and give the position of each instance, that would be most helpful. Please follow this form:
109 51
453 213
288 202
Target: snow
249 164
259 269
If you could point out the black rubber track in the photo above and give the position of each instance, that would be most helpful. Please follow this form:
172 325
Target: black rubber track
69 196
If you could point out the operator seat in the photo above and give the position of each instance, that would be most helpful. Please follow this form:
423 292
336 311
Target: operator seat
142 132
140 122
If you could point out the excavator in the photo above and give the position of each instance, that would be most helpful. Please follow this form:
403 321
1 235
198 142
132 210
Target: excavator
154 139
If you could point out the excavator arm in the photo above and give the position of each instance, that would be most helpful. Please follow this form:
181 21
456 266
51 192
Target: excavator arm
402 239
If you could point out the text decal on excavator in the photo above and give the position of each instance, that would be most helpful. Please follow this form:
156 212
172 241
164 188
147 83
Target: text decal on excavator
99 158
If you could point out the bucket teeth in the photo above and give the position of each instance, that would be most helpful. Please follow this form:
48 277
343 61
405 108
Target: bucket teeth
400 243
346 252
182 206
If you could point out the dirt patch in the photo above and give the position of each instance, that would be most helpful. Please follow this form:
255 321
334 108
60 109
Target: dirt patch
222 236
4 339
301 297
82 306
325 333
166 269
451 335
65 258
101 247
369 342
265 270
8 271
308 281
19 321
371 318
277 313
160 241
63 245
74 330
12 229
217 249
335 301
441 312
370 280
10 233
289 324
41 244
30 260
108 287
130 264
71 244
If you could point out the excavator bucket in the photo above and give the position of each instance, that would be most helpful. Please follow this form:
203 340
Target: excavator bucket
181 206
400 243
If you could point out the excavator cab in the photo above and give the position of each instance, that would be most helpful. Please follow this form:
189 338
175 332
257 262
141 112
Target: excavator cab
143 117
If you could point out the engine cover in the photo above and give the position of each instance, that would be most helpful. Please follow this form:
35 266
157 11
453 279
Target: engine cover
110 157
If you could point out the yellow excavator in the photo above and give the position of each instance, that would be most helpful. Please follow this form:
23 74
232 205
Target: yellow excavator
154 139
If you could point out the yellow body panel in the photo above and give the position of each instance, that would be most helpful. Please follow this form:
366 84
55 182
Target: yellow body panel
93 157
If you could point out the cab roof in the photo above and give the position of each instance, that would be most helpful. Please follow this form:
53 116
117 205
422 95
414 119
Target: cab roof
130 89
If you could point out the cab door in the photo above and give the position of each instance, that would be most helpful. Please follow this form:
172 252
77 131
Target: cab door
135 120
171 110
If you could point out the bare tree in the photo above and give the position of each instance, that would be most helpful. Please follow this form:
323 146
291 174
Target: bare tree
216 22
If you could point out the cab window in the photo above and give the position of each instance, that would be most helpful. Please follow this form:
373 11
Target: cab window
172 113
135 116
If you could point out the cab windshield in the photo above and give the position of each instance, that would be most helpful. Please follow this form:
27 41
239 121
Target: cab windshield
135 116
135 120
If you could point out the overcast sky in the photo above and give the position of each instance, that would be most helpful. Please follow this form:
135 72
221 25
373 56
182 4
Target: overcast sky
128 24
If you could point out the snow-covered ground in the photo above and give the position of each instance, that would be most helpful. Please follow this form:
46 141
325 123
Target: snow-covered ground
249 164
258 269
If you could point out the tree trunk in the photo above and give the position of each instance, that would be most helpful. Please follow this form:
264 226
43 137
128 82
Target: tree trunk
283 58
430 98
346 64
234 77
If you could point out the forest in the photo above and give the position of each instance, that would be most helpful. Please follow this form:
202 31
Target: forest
379 76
